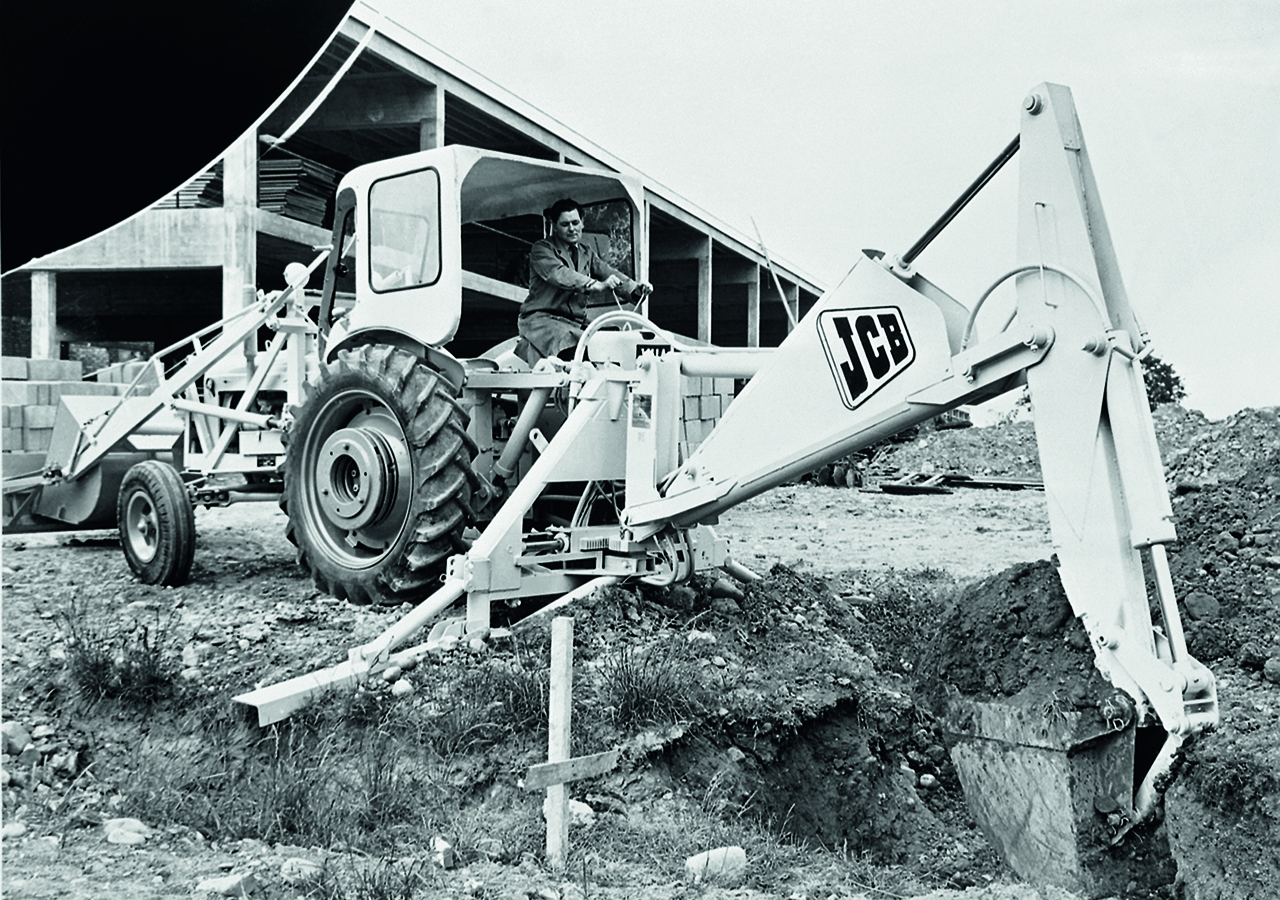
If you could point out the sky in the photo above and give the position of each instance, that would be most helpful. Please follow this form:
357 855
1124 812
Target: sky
838 126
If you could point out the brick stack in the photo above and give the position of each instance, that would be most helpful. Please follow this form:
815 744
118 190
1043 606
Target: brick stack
705 401
32 390
123 374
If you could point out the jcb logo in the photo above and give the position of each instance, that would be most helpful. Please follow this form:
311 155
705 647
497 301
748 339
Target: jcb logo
866 348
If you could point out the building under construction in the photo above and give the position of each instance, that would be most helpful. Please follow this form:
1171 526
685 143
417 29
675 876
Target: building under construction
374 91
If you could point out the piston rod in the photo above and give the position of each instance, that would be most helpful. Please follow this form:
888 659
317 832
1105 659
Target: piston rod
961 202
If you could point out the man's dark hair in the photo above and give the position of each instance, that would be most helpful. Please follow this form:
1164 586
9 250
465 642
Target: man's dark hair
560 207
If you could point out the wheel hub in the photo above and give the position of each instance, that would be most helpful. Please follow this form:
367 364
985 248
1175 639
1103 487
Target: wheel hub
360 477
142 526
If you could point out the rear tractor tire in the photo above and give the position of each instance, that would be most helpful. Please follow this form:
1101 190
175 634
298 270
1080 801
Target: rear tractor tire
157 523
378 481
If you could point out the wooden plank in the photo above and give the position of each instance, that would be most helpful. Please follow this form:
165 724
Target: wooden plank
493 287
915 483
1007 484
546 774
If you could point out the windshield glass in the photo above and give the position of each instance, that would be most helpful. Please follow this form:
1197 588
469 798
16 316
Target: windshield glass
404 232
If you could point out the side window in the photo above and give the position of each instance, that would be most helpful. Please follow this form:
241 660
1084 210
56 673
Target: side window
346 273
404 231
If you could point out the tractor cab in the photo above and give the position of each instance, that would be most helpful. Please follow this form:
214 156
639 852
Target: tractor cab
431 249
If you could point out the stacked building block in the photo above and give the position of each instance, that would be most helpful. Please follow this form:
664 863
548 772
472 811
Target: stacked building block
32 390
123 374
705 401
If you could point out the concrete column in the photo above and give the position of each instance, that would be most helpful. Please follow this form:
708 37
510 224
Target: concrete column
793 303
431 128
44 315
753 308
704 292
240 236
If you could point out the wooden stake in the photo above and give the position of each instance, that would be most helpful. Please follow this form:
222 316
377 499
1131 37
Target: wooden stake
556 806
549 773
560 768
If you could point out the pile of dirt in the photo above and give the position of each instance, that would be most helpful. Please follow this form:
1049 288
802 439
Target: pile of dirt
1226 562
1196 452
1226 566
1006 450
1223 809
1177 428
1200 453
1012 637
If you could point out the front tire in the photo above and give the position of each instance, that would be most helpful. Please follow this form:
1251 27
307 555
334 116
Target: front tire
378 479
157 523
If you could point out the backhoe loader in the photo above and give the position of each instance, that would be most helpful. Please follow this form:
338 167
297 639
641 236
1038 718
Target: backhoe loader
409 474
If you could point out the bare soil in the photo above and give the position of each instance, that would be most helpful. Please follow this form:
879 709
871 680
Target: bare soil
968 533
816 724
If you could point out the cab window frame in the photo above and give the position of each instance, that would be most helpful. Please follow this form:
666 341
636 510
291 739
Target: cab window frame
433 252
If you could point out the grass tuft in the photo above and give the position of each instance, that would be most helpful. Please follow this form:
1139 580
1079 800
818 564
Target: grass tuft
385 879
131 660
654 686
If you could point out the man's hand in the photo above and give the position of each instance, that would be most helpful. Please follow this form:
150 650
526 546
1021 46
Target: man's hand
641 290
608 284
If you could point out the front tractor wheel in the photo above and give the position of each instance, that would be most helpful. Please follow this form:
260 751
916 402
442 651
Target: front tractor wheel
378 479
157 523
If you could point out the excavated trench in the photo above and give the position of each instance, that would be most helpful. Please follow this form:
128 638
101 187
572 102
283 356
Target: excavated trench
837 782
876 773
873 773
1035 732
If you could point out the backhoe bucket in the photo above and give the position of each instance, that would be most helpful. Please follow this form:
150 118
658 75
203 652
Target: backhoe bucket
1052 790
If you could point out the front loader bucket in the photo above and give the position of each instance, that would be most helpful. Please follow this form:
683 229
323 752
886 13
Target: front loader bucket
1052 790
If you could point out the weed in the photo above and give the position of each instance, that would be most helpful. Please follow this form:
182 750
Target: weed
327 884
386 879
1054 713
892 882
652 686
224 781
477 704
131 660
